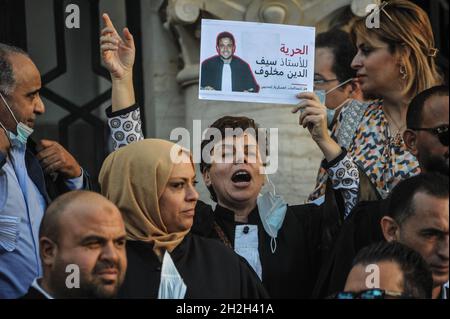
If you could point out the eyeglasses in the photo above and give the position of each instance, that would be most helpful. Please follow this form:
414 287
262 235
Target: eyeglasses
441 132
370 294
323 81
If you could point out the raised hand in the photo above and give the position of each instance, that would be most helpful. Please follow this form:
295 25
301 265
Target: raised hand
118 54
314 117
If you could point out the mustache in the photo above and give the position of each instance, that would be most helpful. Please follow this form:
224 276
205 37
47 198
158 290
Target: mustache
107 265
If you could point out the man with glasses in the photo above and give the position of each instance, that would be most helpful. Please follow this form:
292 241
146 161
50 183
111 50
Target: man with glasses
388 271
427 129
333 75
427 138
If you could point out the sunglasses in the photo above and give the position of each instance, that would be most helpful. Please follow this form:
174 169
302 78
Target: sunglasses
370 294
441 132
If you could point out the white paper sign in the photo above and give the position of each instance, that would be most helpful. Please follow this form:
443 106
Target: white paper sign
255 62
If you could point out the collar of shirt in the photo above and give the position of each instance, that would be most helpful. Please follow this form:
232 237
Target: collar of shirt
445 287
246 244
36 286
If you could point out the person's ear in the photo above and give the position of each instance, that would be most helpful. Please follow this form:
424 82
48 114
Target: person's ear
403 54
207 177
348 90
355 92
410 138
390 228
48 250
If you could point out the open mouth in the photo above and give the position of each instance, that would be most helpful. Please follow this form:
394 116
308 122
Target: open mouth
241 176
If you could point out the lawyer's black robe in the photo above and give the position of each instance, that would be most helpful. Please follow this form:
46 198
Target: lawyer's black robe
208 268
362 228
303 240
242 78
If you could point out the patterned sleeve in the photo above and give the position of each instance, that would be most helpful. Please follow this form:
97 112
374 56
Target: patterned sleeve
345 178
125 126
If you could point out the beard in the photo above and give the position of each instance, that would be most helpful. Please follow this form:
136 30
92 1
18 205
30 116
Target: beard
90 286
436 164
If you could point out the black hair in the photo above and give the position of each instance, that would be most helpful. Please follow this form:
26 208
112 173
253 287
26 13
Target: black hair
225 35
7 80
417 276
226 122
343 49
415 109
401 203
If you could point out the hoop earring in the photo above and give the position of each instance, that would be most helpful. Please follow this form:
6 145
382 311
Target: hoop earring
403 72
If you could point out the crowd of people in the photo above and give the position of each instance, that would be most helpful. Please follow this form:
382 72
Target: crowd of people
376 226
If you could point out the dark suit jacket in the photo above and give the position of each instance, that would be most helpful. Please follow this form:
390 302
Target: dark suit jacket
361 229
33 293
49 187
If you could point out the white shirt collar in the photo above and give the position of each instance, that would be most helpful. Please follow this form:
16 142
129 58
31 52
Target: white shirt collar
36 286
444 290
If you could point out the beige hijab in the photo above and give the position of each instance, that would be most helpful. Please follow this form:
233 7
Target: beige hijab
134 178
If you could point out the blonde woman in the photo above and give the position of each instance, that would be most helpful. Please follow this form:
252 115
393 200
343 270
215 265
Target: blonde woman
394 63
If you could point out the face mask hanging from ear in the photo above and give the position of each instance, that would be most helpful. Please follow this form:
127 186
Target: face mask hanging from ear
322 97
23 130
272 211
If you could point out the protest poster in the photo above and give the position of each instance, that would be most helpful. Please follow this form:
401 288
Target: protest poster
255 62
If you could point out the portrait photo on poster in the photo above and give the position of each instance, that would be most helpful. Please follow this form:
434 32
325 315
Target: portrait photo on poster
255 62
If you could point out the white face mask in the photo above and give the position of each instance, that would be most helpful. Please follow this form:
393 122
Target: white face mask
23 130
272 211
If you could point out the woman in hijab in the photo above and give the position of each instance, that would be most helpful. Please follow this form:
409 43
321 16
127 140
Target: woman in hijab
153 184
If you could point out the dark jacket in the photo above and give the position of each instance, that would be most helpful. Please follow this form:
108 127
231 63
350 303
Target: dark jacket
33 293
209 269
361 229
50 188
304 240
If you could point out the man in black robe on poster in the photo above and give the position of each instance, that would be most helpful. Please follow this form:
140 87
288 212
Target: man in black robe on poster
226 71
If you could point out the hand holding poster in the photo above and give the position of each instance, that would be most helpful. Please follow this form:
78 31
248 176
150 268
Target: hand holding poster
255 62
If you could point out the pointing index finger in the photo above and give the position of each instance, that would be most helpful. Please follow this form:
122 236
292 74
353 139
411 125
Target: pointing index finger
108 23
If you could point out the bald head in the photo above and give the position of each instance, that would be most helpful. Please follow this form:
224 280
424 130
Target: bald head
84 230
76 204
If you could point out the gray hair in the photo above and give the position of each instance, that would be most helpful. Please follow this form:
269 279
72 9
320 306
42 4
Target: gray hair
7 80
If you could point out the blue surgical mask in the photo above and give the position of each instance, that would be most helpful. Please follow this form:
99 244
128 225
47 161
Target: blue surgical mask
330 116
322 95
272 211
23 130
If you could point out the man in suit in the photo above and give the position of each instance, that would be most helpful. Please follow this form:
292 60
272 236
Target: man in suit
427 138
31 174
82 248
